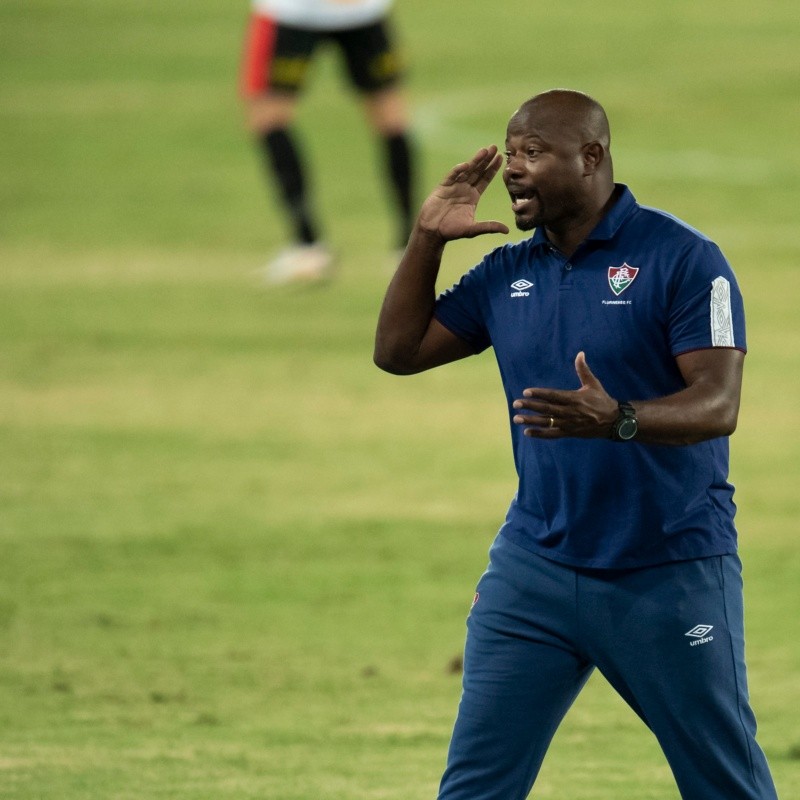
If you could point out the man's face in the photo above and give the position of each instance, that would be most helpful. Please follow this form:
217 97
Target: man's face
544 171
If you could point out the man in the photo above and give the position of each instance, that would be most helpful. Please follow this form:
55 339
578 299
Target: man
282 38
619 333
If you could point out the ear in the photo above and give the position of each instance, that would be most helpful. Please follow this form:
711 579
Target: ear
593 156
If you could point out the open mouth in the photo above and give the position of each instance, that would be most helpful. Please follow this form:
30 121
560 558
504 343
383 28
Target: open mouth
520 198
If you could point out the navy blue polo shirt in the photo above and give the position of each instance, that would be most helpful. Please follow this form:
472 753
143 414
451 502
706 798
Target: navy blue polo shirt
642 289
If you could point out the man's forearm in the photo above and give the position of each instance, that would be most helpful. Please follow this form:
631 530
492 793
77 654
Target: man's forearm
409 303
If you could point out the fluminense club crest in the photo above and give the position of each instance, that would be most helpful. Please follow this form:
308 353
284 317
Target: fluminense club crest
620 278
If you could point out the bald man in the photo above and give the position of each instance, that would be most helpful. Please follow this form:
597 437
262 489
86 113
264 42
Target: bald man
620 338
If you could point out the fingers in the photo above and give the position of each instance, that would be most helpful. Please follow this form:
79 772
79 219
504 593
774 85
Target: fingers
482 161
481 228
536 420
539 426
542 399
478 171
488 174
586 376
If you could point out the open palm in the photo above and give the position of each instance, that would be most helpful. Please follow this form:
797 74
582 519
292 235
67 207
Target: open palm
449 211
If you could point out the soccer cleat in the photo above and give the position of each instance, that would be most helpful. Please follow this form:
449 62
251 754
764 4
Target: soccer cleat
303 263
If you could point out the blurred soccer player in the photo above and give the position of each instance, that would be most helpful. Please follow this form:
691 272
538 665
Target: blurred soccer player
620 336
282 38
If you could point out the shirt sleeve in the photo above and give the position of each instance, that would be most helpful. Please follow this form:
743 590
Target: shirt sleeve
462 309
707 309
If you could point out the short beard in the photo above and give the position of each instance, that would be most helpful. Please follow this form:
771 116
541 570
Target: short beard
526 224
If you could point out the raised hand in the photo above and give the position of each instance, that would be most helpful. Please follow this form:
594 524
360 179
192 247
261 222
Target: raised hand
449 211
585 413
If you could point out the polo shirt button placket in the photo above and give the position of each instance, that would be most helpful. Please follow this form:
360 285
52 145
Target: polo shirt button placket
566 275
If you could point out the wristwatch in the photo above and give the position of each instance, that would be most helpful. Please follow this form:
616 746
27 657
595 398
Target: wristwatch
626 425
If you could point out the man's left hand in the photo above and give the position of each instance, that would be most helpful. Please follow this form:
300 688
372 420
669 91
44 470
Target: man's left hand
585 413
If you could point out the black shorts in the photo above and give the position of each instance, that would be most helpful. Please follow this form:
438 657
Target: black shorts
277 57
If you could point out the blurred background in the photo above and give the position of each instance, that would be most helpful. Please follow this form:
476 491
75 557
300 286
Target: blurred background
235 558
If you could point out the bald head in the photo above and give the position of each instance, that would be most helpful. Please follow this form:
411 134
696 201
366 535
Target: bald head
569 113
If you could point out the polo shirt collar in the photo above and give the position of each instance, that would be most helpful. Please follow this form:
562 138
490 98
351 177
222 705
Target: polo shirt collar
608 226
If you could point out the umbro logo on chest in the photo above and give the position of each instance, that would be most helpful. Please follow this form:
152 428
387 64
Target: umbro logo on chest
520 288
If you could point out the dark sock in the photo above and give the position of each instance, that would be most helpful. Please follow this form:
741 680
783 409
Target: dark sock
283 161
399 155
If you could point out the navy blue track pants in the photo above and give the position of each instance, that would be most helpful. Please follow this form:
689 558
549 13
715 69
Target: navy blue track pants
669 639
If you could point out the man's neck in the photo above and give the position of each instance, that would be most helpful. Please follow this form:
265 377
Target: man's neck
571 236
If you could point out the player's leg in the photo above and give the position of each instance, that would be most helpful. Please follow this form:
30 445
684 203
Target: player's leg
275 65
387 112
670 639
375 68
520 677
272 116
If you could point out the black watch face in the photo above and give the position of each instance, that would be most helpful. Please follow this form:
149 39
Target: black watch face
627 429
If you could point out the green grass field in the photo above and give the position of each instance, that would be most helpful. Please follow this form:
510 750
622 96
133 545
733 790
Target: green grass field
235 558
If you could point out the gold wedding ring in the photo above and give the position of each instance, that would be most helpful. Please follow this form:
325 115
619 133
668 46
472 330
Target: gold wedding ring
552 422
